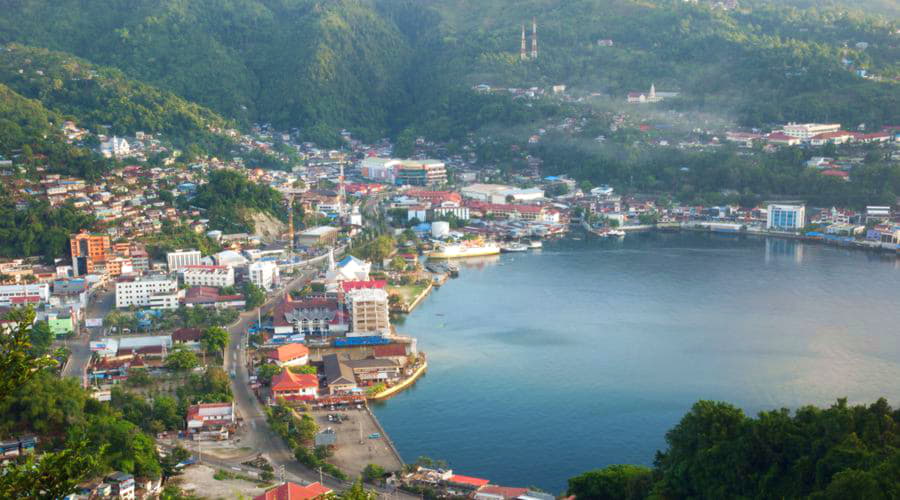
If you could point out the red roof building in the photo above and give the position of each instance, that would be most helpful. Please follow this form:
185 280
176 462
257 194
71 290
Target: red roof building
295 386
836 173
472 483
290 355
293 491
358 285
186 335
504 492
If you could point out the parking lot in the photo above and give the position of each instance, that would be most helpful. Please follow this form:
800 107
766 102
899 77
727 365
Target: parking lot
356 442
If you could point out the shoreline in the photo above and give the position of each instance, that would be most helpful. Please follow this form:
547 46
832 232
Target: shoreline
391 391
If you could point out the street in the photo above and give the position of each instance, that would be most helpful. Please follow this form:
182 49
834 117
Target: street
99 306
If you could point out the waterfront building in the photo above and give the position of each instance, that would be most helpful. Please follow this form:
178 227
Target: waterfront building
156 292
371 371
877 213
178 259
786 216
295 386
338 375
369 312
293 491
264 274
393 352
289 355
215 276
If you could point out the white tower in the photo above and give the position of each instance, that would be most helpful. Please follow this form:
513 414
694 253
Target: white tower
652 91
534 38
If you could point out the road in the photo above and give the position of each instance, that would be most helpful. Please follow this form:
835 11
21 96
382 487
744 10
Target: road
256 432
99 306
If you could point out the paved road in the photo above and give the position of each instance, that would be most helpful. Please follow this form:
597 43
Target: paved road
100 305
256 433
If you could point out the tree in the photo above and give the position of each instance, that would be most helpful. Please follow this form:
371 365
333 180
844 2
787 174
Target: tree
305 369
398 264
214 339
41 338
373 473
253 295
17 363
265 372
380 248
626 482
182 360
357 492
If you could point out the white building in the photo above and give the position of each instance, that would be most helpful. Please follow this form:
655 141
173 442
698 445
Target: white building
157 292
12 293
786 216
217 276
805 131
482 192
116 147
517 194
181 258
369 312
264 274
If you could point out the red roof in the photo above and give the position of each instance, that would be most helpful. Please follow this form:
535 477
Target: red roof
356 285
781 137
288 352
469 481
390 350
293 491
290 381
504 491
836 173
833 135
186 335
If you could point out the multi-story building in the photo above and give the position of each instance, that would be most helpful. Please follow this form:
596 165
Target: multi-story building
216 276
805 131
405 172
369 312
263 274
122 485
786 216
181 258
10 294
87 250
157 292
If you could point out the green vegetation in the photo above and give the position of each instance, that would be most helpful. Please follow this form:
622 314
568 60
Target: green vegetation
105 101
182 360
718 452
214 339
405 67
229 199
373 473
299 433
212 386
265 372
176 236
254 296
39 229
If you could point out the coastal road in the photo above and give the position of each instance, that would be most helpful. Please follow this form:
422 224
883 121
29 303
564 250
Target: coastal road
99 306
256 432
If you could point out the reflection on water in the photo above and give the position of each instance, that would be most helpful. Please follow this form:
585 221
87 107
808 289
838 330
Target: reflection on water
544 364
779 248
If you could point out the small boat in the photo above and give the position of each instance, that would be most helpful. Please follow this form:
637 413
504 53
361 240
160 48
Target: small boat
535 244
513 247
618 233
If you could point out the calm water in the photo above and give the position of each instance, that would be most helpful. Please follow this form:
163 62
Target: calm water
545 364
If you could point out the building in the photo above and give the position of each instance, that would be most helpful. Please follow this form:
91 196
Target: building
87 250
483 192
122 485
14 294
642 98
182 258
293 491
210 420
308 316
393 352
216 276
404 172
322 235
877 214
466 483
290 355
295 386
782 139
371 371
805 131
369 311
187 336
116 147
206 296
338 375
157 292
492 492
790 217
264 274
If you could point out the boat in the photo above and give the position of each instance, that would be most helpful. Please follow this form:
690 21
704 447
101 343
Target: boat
463 250
453 269
618 233
513 247
535 244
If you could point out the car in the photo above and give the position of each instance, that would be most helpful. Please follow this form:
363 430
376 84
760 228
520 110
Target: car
375 435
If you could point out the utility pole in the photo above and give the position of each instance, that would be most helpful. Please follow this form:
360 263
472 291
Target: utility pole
282 474
320 476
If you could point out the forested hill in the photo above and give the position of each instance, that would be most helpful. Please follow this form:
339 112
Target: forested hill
104 100
383 66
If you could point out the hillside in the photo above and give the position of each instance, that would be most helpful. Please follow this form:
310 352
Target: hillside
384 66
104 100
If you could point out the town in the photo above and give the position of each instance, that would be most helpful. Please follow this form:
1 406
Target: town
287 328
